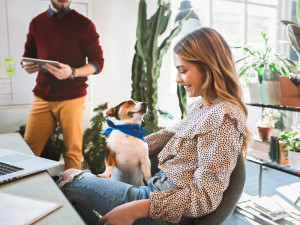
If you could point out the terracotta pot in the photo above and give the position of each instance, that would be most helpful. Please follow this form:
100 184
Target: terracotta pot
290 94
264 133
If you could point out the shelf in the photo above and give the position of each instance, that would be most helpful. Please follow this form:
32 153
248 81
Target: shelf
279 107
276 166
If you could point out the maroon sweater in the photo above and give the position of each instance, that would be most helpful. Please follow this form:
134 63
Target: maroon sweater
71 40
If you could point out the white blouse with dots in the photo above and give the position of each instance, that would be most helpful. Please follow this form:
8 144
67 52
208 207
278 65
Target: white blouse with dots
198 155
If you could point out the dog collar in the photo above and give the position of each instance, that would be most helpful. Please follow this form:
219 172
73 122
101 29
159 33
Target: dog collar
131 129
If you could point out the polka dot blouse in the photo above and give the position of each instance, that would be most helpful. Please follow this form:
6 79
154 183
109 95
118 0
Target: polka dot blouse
198 155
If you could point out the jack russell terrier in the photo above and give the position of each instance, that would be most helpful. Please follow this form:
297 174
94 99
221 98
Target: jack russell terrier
126 157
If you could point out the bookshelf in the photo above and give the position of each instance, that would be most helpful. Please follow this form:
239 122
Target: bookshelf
258 153
263 146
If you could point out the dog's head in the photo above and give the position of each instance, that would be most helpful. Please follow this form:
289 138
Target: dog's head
129 111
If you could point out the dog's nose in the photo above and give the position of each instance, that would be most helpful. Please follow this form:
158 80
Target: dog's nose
144 104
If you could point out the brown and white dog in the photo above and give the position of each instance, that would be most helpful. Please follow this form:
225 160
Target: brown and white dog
126 156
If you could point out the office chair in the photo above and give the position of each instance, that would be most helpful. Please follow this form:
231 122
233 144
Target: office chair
230 197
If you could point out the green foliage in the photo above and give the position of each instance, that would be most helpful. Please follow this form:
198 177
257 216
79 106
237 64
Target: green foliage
151 127
290 139
298 200
181 93
280 122
268 65
148 56
93 148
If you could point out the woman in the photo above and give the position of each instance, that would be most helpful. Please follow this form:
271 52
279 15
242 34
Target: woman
197 155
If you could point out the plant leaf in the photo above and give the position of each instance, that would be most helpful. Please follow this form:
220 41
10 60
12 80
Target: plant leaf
294 36
286 22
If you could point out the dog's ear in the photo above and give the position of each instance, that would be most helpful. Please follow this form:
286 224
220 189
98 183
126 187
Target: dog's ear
111 112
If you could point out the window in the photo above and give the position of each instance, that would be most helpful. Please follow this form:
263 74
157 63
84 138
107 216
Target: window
239 21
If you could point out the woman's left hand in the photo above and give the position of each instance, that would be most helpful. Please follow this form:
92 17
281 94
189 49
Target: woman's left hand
126 214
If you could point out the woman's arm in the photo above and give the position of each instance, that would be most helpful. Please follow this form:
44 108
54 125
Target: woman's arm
127 213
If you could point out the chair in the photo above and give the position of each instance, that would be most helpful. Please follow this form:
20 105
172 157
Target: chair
230 197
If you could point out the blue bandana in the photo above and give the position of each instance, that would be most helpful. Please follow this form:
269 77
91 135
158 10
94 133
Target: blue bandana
131 129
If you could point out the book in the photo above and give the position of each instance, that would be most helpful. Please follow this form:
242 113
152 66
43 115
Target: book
260 149
283 155
19 210
268 207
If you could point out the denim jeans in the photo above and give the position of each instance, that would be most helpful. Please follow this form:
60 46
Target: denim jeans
86 192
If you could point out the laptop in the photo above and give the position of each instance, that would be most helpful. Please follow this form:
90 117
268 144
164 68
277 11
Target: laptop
14 165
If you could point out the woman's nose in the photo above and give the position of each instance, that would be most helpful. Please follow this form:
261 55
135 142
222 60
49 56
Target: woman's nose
178 78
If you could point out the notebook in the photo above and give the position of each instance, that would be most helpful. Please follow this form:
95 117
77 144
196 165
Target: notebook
14 165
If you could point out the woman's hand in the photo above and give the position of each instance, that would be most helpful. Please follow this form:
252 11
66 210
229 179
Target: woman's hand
126 214
62 73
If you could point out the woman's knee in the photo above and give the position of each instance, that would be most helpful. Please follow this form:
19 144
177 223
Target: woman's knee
69 173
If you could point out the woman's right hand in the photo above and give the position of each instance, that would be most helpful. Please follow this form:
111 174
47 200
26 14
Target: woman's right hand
127 213
30 67
120 215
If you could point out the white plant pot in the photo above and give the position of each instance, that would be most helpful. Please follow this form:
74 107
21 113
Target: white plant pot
264 92
274 92
294 159
254 90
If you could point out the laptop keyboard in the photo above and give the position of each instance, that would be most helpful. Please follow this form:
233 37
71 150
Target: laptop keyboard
6 169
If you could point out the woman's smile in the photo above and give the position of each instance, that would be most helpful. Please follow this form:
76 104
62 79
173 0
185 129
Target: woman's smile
189 76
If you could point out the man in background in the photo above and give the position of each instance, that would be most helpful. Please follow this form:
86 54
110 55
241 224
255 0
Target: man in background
61 34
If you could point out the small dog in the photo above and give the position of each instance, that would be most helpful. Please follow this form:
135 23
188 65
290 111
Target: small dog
126 157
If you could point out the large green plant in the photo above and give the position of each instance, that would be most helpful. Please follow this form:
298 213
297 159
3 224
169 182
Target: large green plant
265 62
148 57
93 147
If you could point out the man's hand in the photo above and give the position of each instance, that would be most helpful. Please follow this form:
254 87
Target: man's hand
30 67
62 73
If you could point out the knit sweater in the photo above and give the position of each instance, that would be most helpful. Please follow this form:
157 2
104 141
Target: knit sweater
71 40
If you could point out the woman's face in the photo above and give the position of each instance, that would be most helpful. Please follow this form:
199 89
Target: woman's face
189 75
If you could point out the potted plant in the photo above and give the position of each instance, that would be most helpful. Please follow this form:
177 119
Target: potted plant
290 84
290 141
266 124
264 67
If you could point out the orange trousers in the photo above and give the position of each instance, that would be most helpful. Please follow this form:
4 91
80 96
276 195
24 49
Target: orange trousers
42 119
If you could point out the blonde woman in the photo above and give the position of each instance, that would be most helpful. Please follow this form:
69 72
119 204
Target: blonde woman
197 155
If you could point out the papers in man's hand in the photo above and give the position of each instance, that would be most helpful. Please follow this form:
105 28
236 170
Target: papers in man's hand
19 210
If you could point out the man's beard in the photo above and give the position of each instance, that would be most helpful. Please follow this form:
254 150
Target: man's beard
59 8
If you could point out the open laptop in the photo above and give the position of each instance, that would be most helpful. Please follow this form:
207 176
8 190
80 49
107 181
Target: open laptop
14 164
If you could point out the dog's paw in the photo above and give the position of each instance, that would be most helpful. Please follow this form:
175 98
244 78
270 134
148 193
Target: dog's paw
104 175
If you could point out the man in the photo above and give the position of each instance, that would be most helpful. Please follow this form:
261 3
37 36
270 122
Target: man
62 35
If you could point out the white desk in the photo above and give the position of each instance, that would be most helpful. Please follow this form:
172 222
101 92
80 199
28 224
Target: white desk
40 186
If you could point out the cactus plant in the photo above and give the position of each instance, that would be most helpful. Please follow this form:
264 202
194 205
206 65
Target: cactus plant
148 56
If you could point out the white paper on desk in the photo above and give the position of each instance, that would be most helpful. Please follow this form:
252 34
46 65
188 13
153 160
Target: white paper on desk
22 210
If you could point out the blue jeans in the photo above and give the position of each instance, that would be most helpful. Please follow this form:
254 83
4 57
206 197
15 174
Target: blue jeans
86 192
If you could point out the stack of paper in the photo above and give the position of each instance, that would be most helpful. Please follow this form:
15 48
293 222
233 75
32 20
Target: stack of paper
269 207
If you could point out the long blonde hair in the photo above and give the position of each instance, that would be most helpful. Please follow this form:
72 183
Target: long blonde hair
207 49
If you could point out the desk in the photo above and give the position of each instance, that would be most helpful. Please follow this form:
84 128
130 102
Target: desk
39 186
